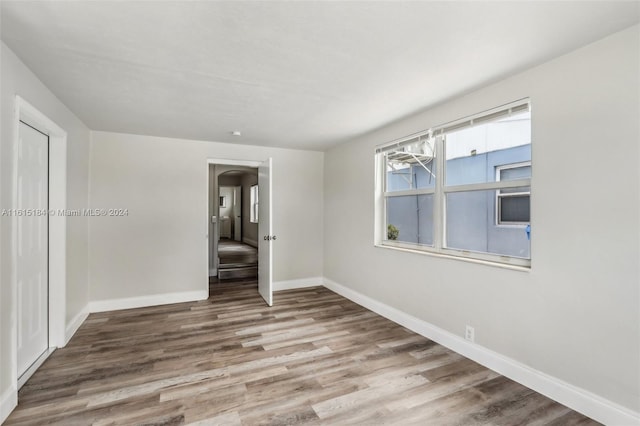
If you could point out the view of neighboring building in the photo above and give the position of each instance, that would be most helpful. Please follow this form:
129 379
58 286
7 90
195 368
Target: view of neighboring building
486 221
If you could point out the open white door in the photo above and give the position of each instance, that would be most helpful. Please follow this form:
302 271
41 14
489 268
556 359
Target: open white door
265 233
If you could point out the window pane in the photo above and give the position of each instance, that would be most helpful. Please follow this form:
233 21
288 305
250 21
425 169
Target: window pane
410 219
253 217
411 166
514 173
521 189
514 208
471 225
474 153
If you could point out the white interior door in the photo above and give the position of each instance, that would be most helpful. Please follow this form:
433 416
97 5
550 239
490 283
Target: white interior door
237 213
265 233
32 250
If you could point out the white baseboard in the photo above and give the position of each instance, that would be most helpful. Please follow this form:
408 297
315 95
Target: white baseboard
75 324
249 241
145 301
576 398
300 283
8 401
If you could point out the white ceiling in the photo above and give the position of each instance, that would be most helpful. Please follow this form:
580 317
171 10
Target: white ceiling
290 74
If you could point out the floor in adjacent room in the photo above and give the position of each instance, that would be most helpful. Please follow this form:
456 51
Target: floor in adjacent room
237 260
312 358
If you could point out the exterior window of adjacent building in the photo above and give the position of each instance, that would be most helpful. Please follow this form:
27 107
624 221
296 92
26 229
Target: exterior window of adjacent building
253 216
513 205
461 189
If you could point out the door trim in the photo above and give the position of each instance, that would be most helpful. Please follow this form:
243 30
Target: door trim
30 115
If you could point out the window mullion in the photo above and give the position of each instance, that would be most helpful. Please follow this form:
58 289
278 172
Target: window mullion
381 200
421 191
439 213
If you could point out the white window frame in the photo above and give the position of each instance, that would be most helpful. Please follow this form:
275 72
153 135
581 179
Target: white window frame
440 191
500 195
413 191
254 194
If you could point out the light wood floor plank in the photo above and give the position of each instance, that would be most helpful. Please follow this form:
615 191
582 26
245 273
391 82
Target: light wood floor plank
313 358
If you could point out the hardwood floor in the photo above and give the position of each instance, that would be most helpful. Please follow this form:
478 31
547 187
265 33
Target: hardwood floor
313 358
237 260
235 252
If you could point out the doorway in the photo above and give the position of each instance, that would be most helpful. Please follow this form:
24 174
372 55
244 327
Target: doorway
238 243
231 205
239 237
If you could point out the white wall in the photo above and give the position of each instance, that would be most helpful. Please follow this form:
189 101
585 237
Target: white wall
575 315
17 79
160 248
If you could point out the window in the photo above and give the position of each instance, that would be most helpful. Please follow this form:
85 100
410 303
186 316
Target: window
461 189
253 216
410 184
513 204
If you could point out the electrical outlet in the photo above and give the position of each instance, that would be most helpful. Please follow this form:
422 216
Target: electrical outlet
470 334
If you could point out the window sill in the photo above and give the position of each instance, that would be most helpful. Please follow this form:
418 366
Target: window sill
461 258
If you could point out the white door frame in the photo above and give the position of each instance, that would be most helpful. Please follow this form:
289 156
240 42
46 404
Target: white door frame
57 237
220 162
